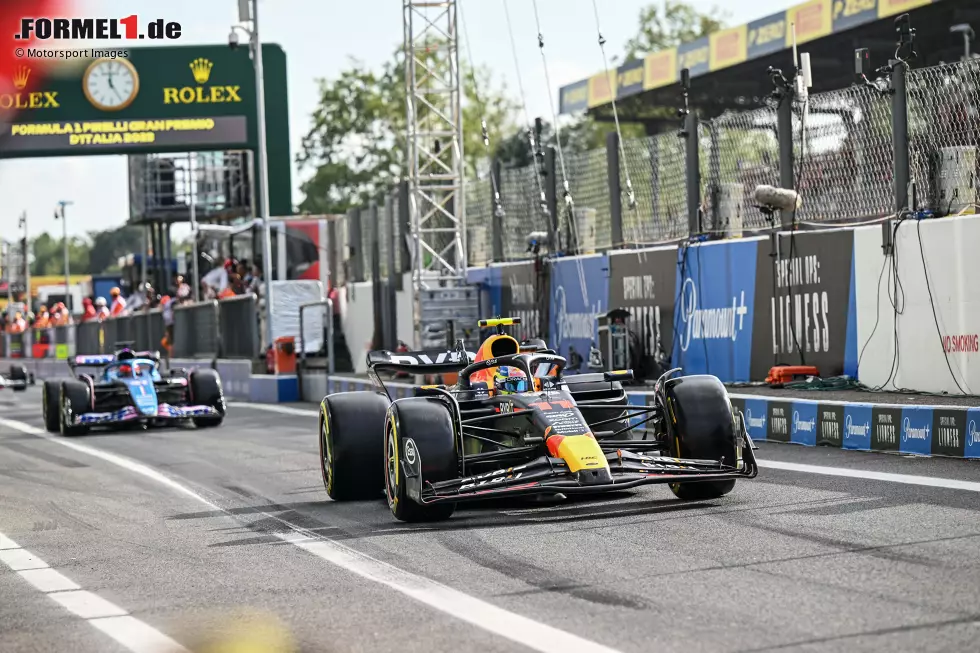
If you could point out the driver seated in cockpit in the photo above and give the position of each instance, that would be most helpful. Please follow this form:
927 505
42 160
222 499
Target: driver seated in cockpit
508 380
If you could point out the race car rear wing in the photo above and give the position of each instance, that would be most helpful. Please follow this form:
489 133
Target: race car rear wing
94 360
419 362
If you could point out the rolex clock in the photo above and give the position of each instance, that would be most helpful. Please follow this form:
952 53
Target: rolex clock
111 84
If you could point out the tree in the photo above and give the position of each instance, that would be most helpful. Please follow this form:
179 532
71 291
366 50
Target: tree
356 144
49 255
96 253
671 24
107 246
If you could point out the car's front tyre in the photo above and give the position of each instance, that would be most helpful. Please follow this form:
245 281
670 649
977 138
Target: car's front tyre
701 427
205 386
419 435
51 406
76 398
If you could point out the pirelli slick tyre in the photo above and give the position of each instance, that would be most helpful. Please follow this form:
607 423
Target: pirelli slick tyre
206 390
421 446
20 373
350 434
700 425
51 406
76 398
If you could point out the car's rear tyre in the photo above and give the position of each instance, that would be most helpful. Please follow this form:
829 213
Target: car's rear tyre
51 406
19 373
76 398
351 425
206 391
427 426
700 426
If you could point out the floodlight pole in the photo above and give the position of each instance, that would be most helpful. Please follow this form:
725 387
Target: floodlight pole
192 187
261 156
263 161
64 231
22 222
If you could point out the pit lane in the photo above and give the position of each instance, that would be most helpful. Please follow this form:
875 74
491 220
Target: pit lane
794 561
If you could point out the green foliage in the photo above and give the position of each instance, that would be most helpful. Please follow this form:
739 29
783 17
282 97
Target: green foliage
671 23
49 255
356 145
94 254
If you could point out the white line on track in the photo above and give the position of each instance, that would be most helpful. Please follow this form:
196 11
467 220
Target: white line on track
275 408
907 479
107 617
517 628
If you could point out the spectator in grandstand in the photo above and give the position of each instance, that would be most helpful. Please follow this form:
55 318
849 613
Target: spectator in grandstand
43 320
88 310
151 299
101 308
118 303
60 315
181 289
168 324
255 280
19 324
229 290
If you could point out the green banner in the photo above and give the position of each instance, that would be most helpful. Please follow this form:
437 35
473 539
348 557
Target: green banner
164 99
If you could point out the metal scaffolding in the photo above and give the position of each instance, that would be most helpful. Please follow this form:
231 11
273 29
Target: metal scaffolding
435 158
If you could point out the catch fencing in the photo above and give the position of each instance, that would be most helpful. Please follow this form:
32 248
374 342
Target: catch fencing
845 155
226 328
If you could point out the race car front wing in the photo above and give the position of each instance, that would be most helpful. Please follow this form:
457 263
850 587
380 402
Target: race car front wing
547 475
130 413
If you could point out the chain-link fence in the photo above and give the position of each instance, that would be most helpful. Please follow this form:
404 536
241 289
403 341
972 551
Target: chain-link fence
742 152
944 130
838 152
844 163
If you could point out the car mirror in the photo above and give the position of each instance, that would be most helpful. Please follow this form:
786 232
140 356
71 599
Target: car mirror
618 375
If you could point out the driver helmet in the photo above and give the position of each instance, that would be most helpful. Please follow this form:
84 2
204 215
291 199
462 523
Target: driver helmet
509 380
126 370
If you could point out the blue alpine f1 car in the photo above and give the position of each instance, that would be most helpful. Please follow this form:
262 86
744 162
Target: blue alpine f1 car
130 389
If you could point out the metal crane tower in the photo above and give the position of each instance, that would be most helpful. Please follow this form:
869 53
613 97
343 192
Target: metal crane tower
435 172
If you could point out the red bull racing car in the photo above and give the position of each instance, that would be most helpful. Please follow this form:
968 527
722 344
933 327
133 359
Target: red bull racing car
514 425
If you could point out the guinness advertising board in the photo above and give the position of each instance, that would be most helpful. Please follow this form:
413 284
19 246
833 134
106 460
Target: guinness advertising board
830 425
805 311
949 432
780 414
886 428
643 283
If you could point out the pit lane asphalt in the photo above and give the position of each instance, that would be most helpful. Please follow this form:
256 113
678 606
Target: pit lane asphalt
790 561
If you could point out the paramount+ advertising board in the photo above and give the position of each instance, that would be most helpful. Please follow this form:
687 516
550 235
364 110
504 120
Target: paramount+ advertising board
153 100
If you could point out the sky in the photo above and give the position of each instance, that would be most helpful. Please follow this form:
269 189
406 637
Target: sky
319 37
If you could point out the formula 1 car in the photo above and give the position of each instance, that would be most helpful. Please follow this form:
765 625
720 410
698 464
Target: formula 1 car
129 389
531 432
18 379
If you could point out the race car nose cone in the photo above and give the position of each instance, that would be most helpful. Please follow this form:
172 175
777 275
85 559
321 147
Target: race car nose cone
594 476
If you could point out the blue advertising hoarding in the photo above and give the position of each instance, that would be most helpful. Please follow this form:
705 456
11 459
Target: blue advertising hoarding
579 292
713 318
